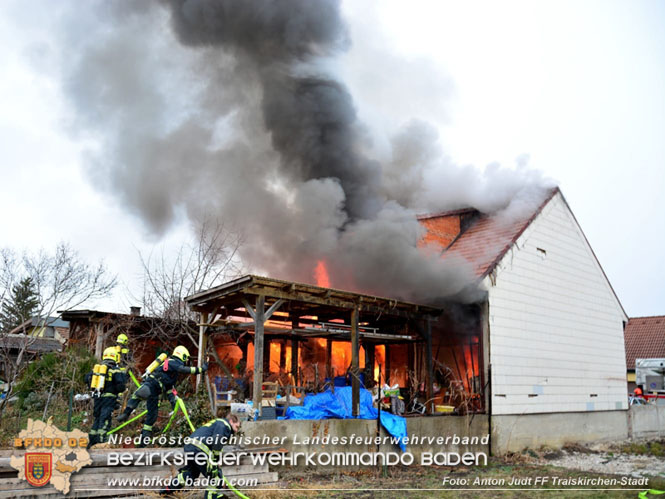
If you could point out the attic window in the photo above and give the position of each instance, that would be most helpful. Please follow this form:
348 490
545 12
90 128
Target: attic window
541 253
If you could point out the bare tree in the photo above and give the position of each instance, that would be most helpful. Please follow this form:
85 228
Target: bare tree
7 272
62 281
210 260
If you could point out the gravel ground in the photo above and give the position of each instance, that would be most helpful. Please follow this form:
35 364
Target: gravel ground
606 460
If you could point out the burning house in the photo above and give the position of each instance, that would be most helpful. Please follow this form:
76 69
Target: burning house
501 311
539 358
552 325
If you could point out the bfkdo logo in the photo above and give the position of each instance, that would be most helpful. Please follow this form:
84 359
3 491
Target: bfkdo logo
38 468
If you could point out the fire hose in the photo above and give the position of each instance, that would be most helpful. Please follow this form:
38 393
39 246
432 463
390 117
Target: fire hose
179 405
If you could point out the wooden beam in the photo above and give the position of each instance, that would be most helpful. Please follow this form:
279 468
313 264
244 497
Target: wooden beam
329 372
355 371
273 309
295 321
202 344
99 340
294 360
430 369
249 309
387 365
244 345
483 355
370 356
258 352
411 375
266 353
282 356
348 304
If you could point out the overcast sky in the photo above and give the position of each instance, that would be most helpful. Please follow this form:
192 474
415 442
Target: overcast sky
573 89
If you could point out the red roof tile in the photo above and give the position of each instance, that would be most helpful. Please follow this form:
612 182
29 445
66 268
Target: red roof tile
484 242
645 339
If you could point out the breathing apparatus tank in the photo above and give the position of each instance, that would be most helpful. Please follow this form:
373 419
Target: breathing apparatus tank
155 364
98 379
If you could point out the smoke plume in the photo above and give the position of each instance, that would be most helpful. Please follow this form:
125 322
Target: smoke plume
235 108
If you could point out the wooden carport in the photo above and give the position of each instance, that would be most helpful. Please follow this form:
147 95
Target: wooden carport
307 311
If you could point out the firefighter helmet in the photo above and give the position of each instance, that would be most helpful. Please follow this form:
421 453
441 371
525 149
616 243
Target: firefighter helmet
122 339
181 353
111 354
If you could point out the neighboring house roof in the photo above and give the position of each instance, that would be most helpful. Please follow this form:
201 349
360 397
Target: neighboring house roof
32 344
36 321
52 321
487 238
645 339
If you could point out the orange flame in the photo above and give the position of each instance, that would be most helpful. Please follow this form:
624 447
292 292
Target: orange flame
321 274
379 359
275 350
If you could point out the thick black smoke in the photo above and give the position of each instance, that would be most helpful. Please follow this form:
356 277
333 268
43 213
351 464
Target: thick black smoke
234 109
310 118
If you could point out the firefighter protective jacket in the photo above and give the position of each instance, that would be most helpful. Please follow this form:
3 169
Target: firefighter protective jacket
214 434
168 373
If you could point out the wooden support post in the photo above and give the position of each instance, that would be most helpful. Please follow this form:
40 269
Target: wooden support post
430 368
370 356
483 354
203 319
244 345
294 351
258 352
266 355
329 372
387 365
99 340
282 356
294 361
411 375
355 371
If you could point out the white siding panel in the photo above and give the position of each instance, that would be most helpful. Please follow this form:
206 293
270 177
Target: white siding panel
556 328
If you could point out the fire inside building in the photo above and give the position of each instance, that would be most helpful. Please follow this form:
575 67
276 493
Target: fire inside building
301 335
538 360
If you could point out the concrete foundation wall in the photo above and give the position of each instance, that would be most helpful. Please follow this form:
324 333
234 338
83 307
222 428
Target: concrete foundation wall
646 421
513 433
296 431
510 433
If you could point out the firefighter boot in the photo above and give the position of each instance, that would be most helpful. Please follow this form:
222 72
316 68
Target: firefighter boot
93 438
124 415
146 436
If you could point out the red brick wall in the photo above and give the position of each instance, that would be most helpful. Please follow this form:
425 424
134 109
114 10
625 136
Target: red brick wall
440 230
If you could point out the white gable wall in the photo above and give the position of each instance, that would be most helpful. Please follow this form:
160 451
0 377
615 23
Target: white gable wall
556 327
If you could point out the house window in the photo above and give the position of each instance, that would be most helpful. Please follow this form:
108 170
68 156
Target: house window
49 332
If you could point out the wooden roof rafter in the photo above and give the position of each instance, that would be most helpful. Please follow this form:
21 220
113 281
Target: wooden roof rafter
305 299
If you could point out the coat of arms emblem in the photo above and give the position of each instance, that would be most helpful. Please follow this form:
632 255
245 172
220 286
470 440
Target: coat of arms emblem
38 468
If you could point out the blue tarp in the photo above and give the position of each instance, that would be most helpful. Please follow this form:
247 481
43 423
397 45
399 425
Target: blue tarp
328 405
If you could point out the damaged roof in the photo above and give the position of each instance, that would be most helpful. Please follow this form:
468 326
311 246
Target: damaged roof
480 239
645 339
310 298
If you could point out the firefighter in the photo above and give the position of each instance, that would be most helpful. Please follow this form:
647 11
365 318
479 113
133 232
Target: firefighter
106 398
158 382
122 346
203 453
